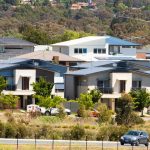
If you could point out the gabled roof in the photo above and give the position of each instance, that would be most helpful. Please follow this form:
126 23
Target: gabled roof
88 71
15 41
48 56
108 39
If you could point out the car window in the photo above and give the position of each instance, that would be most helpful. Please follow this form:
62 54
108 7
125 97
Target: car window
133 133
144 133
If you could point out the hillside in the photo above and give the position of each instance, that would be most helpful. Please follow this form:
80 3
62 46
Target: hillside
46 22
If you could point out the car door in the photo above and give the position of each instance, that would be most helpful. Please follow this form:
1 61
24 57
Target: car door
142 138
145 137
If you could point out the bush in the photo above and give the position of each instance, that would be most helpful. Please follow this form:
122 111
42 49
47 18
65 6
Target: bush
111 133
104 113
77 132
61 113
81 111
22 131
2 133
135 119
10 130
66 135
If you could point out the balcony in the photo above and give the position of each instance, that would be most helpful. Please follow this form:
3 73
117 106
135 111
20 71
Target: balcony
10 88
107 90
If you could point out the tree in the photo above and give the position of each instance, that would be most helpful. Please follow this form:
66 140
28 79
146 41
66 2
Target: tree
85 99
124 109
96 95
9 101
141 99
3 83
43 87
48 102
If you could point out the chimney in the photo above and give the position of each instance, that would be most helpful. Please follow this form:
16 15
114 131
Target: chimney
55 59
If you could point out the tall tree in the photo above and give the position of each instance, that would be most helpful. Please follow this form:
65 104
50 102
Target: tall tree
141 99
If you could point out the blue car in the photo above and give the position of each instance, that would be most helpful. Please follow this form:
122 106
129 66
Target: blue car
134 137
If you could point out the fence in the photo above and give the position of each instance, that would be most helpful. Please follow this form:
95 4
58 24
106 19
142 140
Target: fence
69 144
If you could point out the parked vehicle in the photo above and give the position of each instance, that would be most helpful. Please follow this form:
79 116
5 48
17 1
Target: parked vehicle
33 108
134 137
55 111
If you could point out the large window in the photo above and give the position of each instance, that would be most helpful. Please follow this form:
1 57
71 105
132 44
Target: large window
99 51
136 84
80 50
126 46
103 83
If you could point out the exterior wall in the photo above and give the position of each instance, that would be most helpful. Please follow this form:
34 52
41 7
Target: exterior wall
42 47
69 87
144 78
61 49
19 73
47 74
128 51
116 77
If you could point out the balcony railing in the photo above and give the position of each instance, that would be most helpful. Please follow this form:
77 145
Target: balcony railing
136 88
106 90
10 88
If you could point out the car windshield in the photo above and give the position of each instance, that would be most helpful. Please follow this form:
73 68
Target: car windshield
135 133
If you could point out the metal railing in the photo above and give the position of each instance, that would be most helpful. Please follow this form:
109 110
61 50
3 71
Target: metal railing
106 90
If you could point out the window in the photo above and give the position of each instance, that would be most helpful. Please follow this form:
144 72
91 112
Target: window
136 84
99 51
84 50
103 83
103 51
80 50
126 46
95 51
75 50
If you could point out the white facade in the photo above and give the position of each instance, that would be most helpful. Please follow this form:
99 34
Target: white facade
90 48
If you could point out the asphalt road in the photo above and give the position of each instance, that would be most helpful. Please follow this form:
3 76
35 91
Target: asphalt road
106 144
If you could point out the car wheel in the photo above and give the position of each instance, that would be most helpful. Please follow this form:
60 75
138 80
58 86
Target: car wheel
147 143
68 113
137 143
121 143
132 144
47 113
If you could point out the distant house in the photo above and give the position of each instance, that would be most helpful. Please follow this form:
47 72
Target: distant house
11 47
93 48
111 77
21 73
52 56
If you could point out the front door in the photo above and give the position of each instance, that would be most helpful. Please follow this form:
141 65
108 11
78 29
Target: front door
122 86
25 83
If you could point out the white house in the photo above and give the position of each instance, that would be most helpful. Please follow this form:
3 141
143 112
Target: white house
92 48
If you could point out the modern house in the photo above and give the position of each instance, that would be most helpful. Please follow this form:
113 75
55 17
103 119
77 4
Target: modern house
93 48
11 47
112 78
21 73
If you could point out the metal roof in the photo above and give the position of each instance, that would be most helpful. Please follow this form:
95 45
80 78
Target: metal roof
108 39
95 63
15 41
88 71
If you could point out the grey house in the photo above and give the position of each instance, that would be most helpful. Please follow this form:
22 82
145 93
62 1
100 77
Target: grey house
11 47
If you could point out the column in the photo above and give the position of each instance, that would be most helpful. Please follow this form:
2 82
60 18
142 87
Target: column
33 100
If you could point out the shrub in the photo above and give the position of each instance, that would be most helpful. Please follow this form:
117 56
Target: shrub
81 111
10 130
104 113
61 113
2 133
77 132
135 119
22 131
66 134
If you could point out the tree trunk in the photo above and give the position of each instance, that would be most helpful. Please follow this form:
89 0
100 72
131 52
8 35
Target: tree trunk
142 113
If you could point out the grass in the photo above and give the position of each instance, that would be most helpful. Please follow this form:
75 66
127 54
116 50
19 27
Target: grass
60 147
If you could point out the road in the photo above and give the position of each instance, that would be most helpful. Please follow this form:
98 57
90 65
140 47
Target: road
106 144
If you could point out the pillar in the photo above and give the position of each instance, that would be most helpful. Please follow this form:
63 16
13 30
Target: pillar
112 104
24 101
33 100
